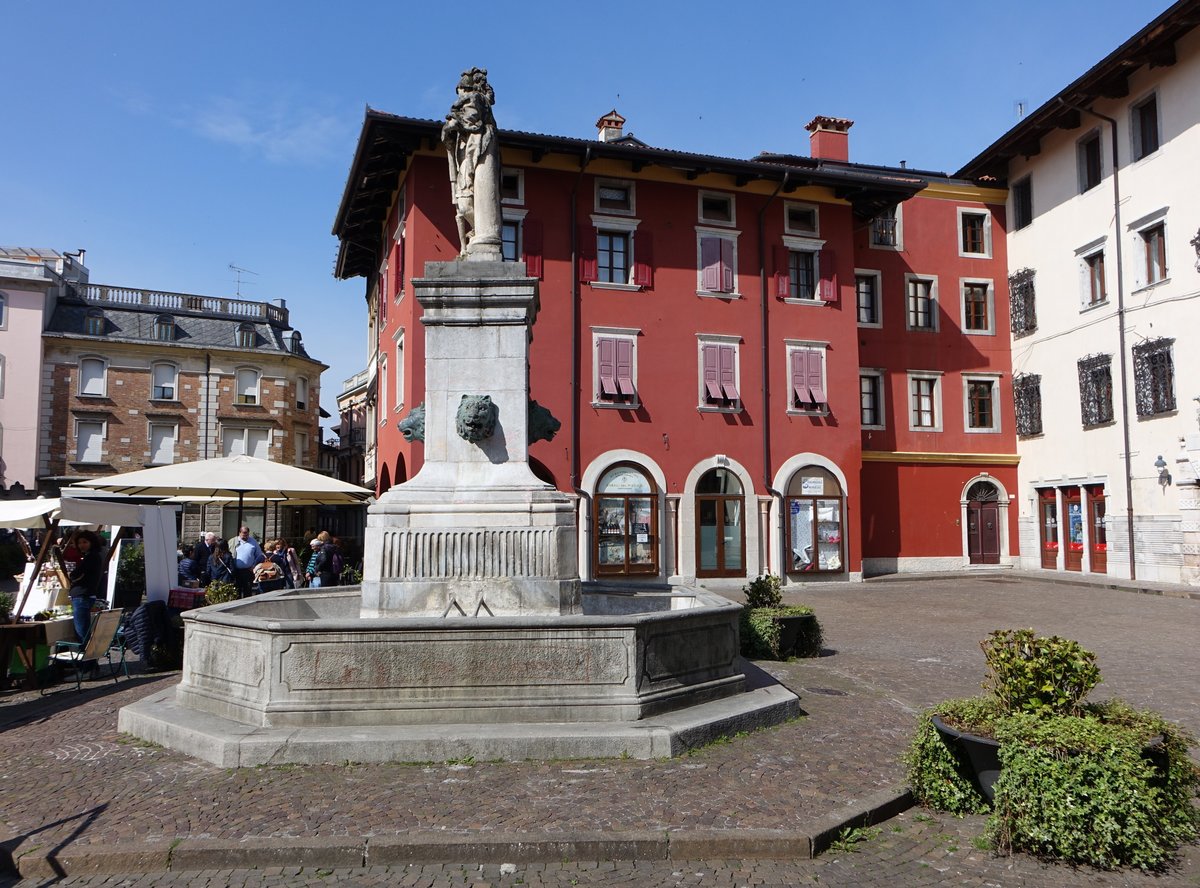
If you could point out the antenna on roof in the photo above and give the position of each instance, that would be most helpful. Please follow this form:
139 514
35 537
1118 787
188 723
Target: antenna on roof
240 272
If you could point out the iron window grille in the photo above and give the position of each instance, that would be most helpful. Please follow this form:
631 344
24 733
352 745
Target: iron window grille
1027 400
883 230
1022 301
1154 377
1095 390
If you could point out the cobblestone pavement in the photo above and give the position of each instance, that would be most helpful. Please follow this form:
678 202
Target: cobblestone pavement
69 781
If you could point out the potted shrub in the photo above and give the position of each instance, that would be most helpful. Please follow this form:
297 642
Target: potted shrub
1097 783
771 631
219 592
7 603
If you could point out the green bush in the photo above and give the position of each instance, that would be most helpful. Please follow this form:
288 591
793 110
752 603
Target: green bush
764 591
938 771
760 633
7 602
219 592
1037 674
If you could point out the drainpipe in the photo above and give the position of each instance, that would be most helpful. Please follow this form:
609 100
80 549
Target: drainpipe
766 418
1112 127
576 335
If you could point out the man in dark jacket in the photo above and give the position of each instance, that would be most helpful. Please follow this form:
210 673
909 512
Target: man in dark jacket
86 580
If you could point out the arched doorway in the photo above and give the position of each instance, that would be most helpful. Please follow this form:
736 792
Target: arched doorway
815 530
720 525
385 480
983 523
626 521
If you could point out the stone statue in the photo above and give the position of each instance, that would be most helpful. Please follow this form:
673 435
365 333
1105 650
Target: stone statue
542 424
476 418
473 152
412 427
1195 242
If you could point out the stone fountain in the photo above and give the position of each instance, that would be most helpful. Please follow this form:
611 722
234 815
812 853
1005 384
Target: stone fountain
471 634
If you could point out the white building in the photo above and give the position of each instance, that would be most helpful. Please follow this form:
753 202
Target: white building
1106 307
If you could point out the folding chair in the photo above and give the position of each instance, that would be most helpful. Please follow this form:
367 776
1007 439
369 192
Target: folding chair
101 639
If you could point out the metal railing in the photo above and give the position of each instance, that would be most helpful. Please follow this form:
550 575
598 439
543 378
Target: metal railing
104 294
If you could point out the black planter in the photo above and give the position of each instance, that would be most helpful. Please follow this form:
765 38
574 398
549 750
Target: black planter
792 630
982 752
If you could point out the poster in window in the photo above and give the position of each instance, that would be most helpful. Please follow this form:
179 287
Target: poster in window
812 485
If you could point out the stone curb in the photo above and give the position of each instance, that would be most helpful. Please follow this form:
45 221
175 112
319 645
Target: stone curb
31 860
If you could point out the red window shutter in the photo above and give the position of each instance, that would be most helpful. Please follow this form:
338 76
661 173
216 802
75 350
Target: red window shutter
588 268
829 281
712 373
399 265
624 362
815 387
710 262
606 366
729 372
643 260
799 378
532 243
783 277
727 269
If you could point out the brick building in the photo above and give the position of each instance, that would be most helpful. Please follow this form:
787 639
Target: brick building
135 378
785 364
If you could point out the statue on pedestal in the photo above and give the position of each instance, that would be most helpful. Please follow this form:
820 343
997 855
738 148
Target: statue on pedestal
469 135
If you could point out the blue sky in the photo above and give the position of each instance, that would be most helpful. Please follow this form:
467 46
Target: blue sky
174 139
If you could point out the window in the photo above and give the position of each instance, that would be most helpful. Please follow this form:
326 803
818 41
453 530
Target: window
614 196
718 263
93 380
301 439
804 271
163 381
1 380
1027 398
3 312
1090 171
977 308
975 233
612 256
1096 289
94 325
162 444
512 186
1022 304
614 377
246 337
254 442
1022 202
980 396
382 383
247 386
399 380
720 533
887 229
1154 377
510 240
1144 127
89 441
1154 246
806 372
870 398
1095 390
719 374
814 524
164 328
921 303
716 208
866 293
925 401
800 219
802 274
626 522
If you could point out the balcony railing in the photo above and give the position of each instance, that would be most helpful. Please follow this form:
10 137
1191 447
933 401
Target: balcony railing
103 294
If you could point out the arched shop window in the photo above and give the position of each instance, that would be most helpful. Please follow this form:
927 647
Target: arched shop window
626 522
815 531
720 528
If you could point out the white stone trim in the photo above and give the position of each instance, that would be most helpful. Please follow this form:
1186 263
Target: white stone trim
588 481
752 555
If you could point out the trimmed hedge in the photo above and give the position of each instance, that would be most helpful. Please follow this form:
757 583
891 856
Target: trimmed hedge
761 636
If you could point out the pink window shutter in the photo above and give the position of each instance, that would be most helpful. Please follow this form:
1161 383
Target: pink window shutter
728 357
783 278
589 270
727 269
624 362
710 262
829 281
799 378
606 366
815 386
712 374
643 260
532 243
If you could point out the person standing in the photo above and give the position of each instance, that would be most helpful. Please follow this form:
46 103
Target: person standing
221 566
247 555
85 581
311 572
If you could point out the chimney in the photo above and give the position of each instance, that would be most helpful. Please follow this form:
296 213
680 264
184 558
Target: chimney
610 126
830 139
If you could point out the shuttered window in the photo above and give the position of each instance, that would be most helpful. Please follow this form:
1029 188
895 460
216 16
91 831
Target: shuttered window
162 444
719 372
247 386
89 441
808 379
91 377
163 382
717 264
615 370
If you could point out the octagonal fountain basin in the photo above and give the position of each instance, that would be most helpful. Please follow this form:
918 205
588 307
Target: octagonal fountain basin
299 676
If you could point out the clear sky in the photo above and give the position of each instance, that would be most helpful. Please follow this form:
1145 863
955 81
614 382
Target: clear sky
173 139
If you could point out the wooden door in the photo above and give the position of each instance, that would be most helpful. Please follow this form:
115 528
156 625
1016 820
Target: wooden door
1048 528
1098 542
1073 535
983 532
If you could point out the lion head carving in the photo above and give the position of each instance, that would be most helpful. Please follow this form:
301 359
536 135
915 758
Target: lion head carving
476 418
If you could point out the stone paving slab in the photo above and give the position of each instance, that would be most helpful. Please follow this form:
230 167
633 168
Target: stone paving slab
72 787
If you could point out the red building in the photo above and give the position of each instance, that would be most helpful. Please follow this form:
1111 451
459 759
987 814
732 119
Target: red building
785 364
